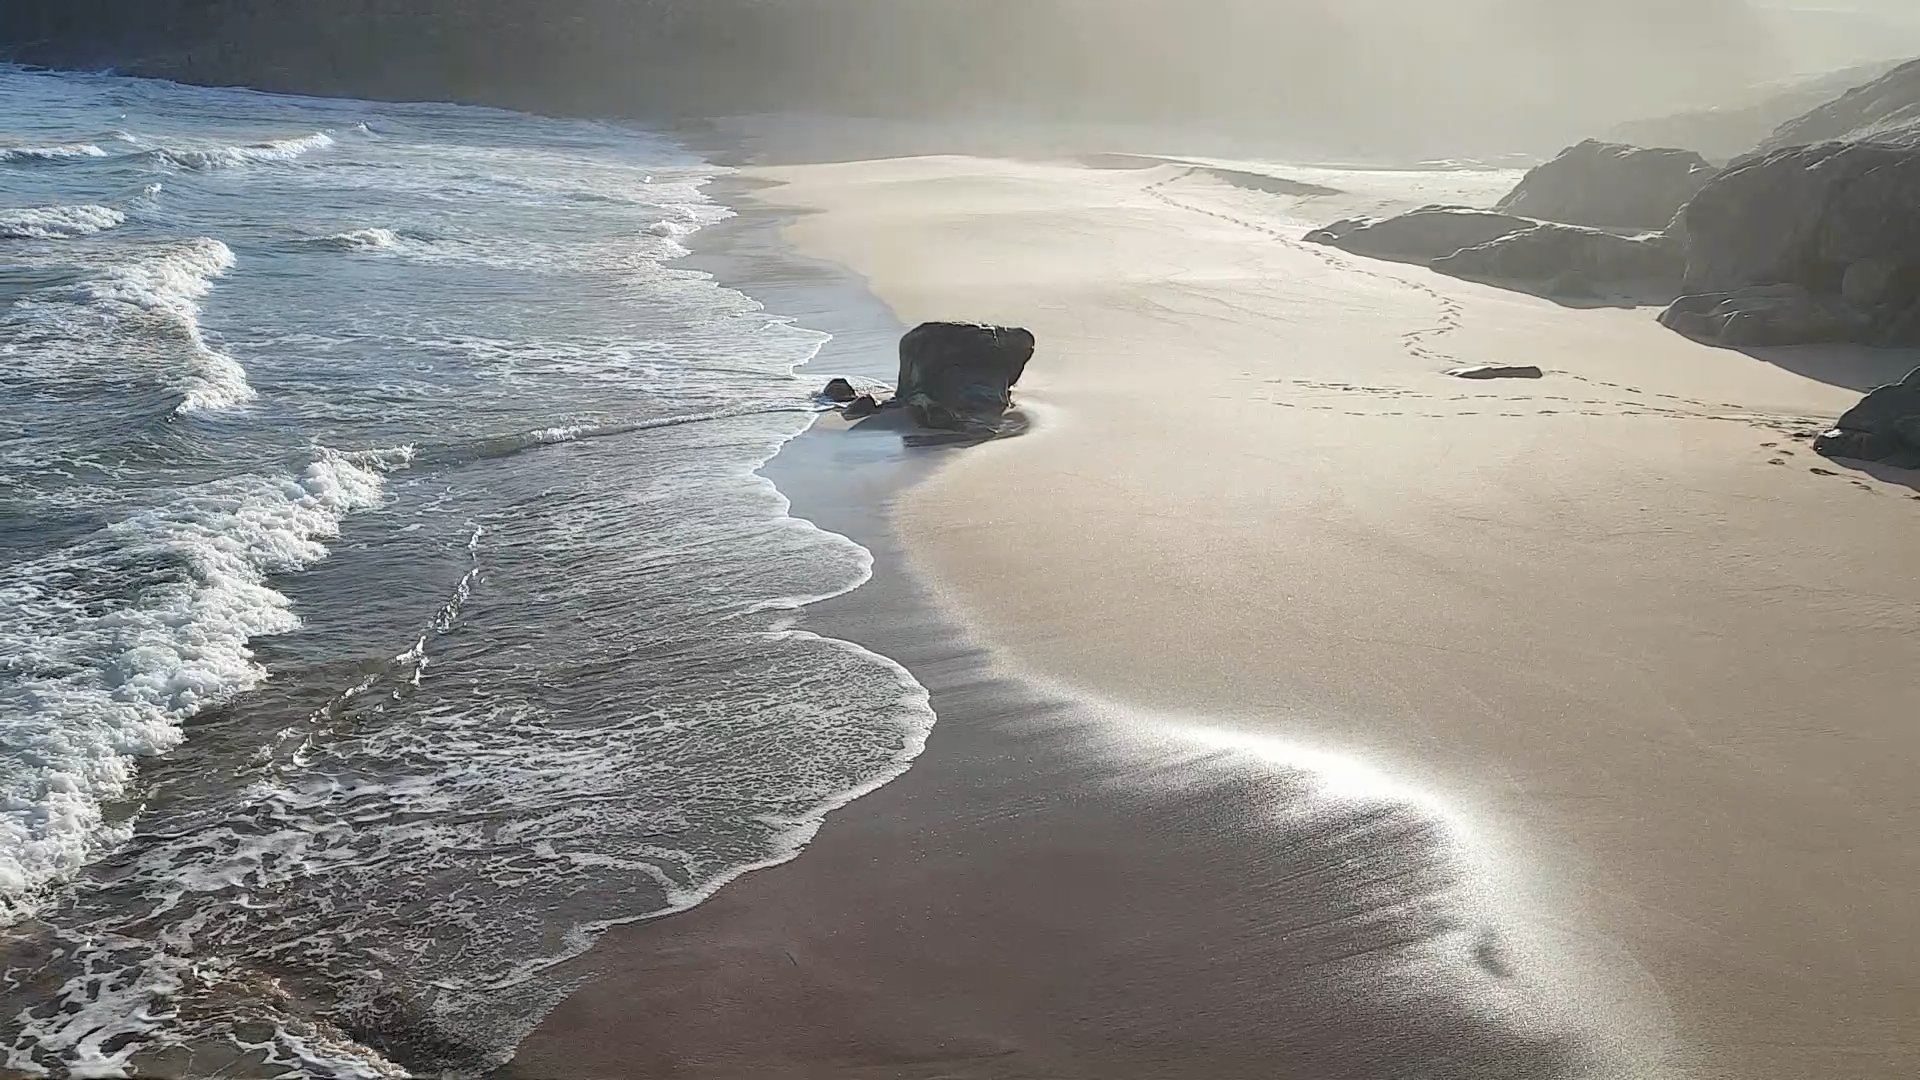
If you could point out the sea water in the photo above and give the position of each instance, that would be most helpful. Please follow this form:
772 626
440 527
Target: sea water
389 601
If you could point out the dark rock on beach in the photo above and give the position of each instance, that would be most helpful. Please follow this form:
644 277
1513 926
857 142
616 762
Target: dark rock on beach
1610 186
1808 244
960 376
1885 426
1497 371
840 391
863 406
1422 235
1764 315
1573 260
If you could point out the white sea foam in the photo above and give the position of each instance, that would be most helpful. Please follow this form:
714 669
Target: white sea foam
362 240
224 157
167 284
65 152
114 641
58 222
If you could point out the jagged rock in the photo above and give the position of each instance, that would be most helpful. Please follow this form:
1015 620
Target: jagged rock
1423 235
1885 426
1496 371
1732 128
840 391
1576 260
1840 221
1886 110
1610 186
1764 315
960 376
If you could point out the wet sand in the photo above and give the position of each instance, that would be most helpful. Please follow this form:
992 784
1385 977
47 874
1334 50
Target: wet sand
1304 712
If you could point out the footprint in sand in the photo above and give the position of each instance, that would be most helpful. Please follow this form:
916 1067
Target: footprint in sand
1823 472
1778 461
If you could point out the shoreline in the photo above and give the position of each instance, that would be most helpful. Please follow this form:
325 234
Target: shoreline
1305 712
1030 896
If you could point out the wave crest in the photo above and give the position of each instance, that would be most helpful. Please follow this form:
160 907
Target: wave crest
114 641
169 286
58 222
225 157
65 152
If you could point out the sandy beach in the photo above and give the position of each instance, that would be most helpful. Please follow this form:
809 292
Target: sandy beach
1306 712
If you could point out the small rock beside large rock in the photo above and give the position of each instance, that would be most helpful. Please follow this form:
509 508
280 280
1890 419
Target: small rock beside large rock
1885 426
1610 186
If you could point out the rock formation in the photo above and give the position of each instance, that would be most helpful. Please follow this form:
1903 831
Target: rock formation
1422 236
960 376
1610 186
1886 110
1570 261
1885 426
1746 118
1811 243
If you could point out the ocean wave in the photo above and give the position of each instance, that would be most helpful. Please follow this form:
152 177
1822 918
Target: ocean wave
360 240
223 157
111 643
65 152
58 222
168 284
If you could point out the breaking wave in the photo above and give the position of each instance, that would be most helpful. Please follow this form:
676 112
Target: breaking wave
224 157
111 643
65 152
58 222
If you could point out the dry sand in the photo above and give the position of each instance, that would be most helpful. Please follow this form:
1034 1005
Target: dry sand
1593 695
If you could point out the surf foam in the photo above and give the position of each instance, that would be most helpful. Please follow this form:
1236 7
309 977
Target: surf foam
66 152
168 285
113 642
58 222
201 159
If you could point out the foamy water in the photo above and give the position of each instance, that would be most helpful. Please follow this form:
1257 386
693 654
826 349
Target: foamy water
391 602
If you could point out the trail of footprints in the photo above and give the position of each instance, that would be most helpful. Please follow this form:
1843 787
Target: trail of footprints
1524 405
1419 343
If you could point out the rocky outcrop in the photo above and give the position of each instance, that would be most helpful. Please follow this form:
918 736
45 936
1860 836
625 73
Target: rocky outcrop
1886 110
1764 315
1885 426
839 391
1610 186
960 376
1812 243
1423 235
1748 117
1570 261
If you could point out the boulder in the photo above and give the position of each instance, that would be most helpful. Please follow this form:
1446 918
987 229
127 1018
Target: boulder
1572 260
960 376
1610 186
1423 235
1763 315
840 391
1496 371
1840 222
863 406
1885 426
